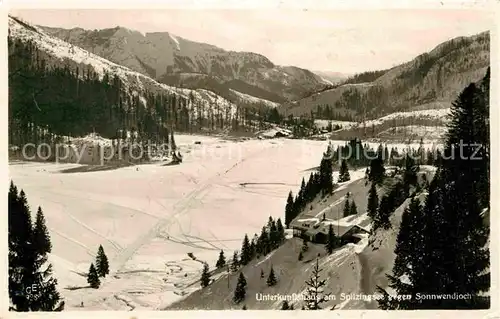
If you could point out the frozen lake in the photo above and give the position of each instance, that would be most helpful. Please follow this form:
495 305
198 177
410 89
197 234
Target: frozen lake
149 217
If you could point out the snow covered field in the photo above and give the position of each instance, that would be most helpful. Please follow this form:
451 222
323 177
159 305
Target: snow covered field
149 217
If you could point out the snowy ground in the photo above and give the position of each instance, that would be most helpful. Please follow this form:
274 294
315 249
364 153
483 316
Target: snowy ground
149 217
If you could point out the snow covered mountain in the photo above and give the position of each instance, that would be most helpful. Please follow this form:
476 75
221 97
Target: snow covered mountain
59 52
432 80
167 58
332 77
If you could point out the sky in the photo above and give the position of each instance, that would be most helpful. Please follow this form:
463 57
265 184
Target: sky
345 41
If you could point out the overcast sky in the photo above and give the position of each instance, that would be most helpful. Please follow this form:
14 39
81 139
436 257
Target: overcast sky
334 40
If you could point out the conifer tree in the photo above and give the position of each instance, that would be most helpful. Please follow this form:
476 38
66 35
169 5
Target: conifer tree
409 175
41 238
235 263
101 263
289 210
285 306
347 208
221 262
315 295
240 290
372 207
377 170
353 210
382 220
21 257
453 257
274 235
263 243
325 171
28 265
205 276
281 231
344 175
93 277
271 279
246 254
252 249
331 240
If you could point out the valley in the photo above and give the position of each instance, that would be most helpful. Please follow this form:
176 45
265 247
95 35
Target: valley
200 178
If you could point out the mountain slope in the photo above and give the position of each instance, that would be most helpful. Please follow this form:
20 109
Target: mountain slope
332 77
434 78
70 54
162 54
69 90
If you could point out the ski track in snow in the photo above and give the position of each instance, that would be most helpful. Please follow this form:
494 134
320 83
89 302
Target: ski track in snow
150 287
180 208
79 222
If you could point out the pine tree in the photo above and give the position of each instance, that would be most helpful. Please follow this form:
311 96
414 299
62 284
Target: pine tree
372 207
325 171
331 240
28 265
235 263
93 277
101 262
221 262
409 174
382 220
41 238
21 257
353 210
274 235
408 251
344 175
246 254
264 244
271 279
289 209
240 291
377 170
205 276
281 231
347 208
453 255
314 293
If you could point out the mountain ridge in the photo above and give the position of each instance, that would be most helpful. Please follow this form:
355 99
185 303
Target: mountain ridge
160 54
436 76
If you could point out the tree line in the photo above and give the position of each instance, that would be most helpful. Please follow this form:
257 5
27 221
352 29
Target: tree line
441 246
320 182
49 98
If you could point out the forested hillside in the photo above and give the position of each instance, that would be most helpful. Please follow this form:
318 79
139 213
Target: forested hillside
56 88
428 81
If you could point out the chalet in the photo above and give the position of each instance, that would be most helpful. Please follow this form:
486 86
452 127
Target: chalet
301 226
317 232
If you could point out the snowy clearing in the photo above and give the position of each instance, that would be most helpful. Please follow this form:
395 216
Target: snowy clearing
149 217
